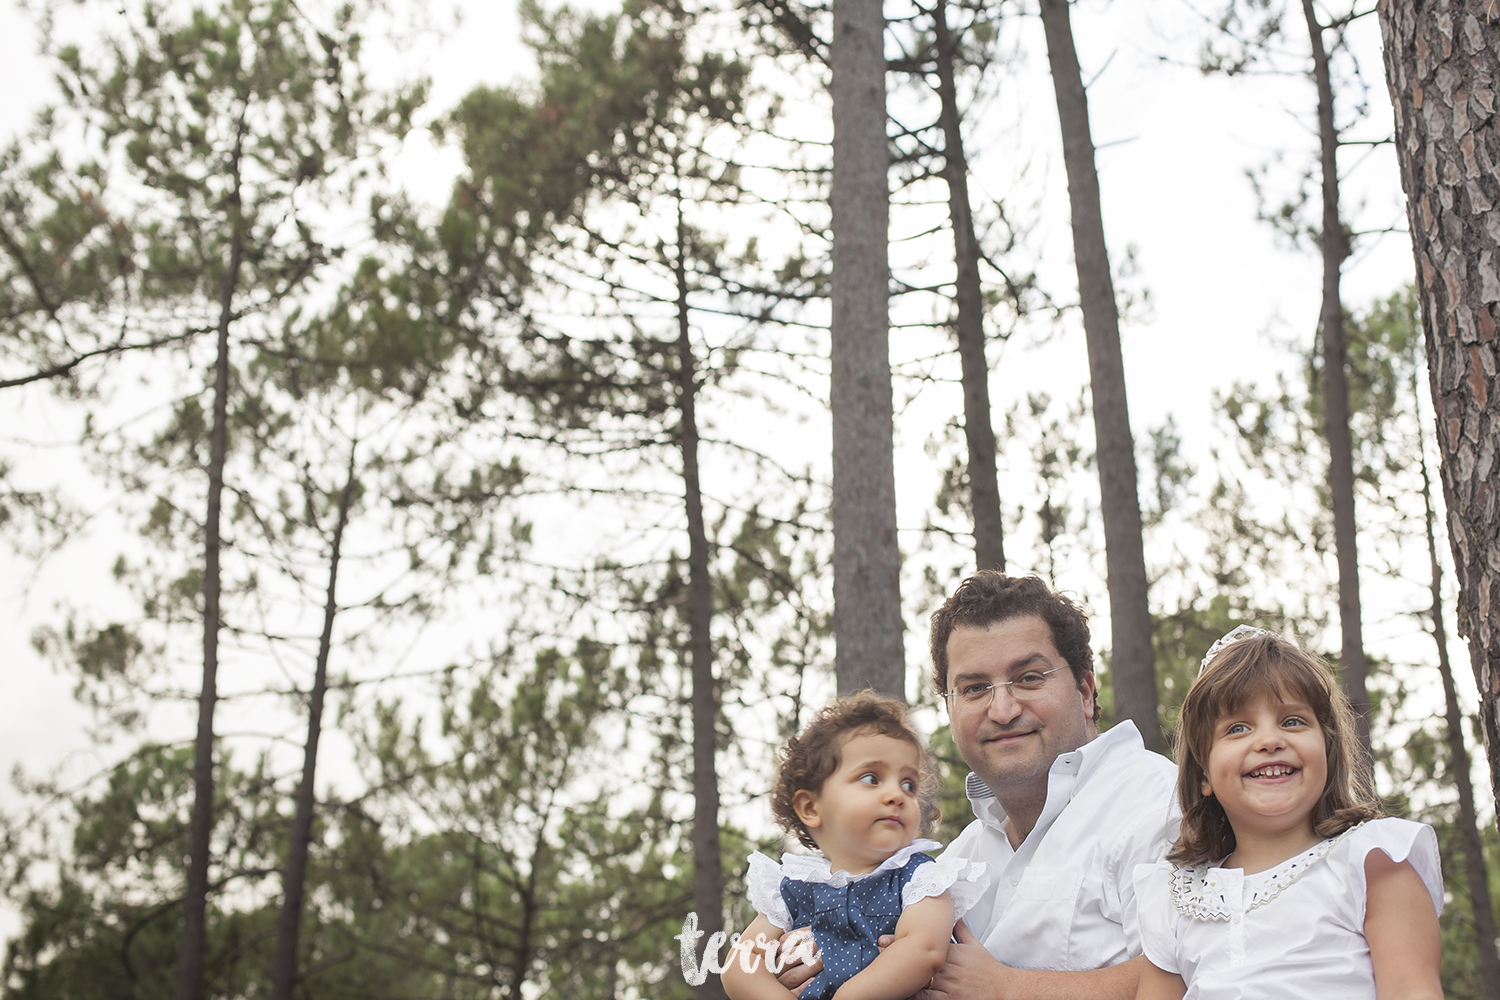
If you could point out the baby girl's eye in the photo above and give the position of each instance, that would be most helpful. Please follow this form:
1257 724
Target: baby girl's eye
910 786
869 778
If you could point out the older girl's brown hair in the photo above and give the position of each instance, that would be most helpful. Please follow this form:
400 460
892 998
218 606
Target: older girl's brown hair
1271 666
809 758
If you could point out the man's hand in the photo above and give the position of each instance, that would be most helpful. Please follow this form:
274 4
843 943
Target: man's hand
795 974
970 971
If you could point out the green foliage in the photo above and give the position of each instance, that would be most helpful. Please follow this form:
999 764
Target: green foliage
1278 436
957 812
107 927
545 868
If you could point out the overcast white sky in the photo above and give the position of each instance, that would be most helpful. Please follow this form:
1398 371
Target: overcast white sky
1174 148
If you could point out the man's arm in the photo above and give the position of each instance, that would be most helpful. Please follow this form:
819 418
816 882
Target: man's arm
972 973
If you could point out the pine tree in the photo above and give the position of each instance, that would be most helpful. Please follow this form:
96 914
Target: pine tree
868 625
1441 64
1131 661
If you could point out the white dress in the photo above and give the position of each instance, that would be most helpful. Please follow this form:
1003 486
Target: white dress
1293 932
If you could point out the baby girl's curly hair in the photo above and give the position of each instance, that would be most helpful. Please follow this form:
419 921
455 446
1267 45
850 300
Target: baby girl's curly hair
1266 665
809 758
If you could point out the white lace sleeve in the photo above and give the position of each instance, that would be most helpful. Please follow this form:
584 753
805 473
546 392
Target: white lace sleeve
961 879
763 880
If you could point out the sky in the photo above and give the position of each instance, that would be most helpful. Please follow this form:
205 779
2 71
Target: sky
1225 297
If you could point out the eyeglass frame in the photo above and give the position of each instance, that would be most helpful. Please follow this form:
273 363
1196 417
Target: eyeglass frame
951 697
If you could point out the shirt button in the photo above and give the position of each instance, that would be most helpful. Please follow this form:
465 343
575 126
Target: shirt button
1015 880
1236 918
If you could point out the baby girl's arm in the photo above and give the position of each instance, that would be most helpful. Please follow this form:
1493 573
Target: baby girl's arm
759 984
1159 985
1402 929
909 964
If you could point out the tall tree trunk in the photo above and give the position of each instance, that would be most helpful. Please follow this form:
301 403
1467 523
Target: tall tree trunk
708 873
1352 663
294 877
1441 64
195 899
1476 872
984 491
867 625
1132 664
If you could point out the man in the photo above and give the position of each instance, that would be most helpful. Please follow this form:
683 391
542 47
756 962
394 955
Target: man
1062 814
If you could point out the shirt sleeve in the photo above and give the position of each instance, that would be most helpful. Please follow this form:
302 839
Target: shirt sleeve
966 848
763 882
1146 843
1401 840
963 880
1157 917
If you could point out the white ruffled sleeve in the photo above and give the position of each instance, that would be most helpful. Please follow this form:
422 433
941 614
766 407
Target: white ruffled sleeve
1156 915
1401 840
961 879
763 880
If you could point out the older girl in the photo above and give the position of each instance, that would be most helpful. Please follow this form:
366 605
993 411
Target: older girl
1284 883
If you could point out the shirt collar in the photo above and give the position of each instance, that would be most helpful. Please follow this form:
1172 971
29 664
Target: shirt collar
1081 762
815 867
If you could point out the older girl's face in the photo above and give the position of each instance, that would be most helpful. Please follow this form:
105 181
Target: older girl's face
1268 766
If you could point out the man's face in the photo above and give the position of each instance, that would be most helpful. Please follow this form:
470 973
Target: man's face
1012 741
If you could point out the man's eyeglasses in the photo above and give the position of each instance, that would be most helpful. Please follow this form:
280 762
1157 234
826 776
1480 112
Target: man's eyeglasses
975 696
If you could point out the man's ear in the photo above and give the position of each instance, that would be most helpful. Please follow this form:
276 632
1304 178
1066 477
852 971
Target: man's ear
1088 687
805 805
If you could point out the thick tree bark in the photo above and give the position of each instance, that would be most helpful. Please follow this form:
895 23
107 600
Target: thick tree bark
708 872
984 491
1476 872
1442 61
1132 663
867 624
189 984
294 877
1352 663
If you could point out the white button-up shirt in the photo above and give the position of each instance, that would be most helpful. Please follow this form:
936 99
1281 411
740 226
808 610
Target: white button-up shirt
1065 899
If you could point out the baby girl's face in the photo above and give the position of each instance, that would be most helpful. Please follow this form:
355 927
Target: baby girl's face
867 810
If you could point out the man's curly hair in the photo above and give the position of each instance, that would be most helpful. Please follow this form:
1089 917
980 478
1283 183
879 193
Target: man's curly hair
989 597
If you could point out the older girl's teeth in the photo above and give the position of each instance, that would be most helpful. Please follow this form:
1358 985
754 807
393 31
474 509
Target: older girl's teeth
1271 771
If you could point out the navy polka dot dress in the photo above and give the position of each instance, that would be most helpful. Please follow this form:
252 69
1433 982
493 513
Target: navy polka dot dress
847 921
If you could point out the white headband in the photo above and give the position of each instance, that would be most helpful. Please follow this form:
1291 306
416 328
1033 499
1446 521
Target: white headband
1240 632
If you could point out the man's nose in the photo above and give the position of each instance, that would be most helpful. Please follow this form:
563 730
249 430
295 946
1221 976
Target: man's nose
1003 704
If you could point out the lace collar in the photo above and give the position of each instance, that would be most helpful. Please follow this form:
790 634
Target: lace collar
1202 892
815 867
